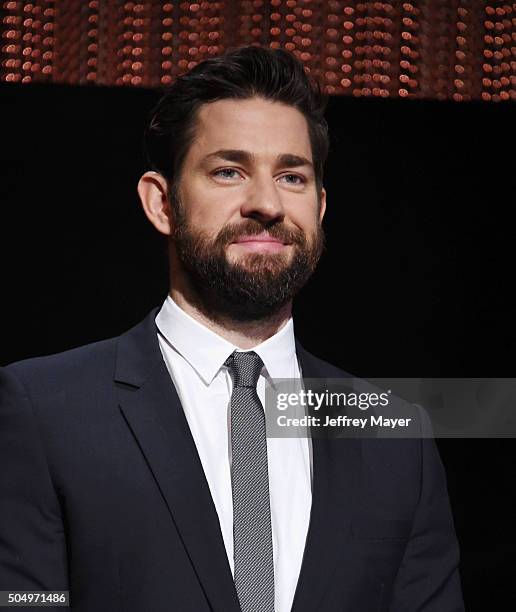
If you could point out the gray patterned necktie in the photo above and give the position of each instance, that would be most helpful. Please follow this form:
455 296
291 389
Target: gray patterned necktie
252 531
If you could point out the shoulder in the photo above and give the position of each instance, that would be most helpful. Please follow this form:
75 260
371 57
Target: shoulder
86 371
84 364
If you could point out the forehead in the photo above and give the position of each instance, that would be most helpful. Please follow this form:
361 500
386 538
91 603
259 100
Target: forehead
262 127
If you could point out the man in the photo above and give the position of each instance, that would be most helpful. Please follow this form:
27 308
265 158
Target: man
136 471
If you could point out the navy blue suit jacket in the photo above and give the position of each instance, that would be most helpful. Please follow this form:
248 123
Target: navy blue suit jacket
102 493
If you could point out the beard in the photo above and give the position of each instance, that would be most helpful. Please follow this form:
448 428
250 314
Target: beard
257 285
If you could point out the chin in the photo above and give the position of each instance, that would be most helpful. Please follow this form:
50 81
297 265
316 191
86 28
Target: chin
275 262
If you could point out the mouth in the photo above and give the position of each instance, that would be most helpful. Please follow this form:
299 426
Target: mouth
260 243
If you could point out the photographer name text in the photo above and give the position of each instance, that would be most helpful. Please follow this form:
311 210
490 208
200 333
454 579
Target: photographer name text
342 421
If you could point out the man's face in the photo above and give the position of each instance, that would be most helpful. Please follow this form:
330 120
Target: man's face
248 220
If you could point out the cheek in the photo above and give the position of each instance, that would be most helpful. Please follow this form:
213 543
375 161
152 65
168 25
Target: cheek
206 209
304 217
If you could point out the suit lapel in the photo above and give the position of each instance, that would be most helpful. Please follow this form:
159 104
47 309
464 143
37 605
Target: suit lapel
150 404
336 464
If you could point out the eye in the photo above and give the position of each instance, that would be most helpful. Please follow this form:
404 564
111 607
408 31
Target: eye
299 180
226 173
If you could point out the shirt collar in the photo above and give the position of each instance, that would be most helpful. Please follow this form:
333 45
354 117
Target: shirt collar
206 351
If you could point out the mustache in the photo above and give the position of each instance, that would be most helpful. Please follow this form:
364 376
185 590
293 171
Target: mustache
252 227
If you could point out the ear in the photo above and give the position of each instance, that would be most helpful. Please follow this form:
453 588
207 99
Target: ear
152 189
322 206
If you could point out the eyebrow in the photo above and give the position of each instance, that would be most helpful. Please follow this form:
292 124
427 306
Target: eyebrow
287 160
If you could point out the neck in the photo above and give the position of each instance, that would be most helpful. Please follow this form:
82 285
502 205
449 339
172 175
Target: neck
243 334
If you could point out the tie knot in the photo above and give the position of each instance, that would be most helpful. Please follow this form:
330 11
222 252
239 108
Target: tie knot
245 368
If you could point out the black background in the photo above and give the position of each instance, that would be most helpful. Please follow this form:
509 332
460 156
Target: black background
417 279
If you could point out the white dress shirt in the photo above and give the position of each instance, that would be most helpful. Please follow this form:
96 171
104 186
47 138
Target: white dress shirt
194 356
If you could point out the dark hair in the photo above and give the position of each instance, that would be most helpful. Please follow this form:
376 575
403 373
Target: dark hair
273 74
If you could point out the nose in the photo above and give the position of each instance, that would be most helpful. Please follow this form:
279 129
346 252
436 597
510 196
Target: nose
263 201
